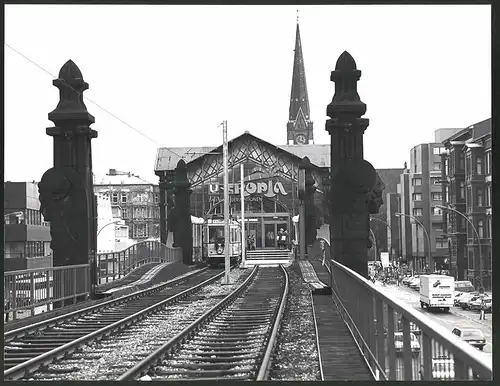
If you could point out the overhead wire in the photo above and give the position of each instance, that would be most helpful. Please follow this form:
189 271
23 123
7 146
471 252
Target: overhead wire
91 101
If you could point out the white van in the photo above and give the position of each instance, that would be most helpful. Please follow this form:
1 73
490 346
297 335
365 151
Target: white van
437 291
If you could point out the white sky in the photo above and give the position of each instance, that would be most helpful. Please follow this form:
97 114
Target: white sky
175 72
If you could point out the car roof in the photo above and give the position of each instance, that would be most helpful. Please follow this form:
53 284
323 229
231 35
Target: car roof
467 329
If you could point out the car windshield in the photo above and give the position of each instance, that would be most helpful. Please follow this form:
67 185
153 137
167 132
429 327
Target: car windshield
472 334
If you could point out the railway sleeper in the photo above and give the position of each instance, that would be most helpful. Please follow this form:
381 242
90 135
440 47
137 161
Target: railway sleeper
218 359
224 346
196 373
218 366
221 353
226 338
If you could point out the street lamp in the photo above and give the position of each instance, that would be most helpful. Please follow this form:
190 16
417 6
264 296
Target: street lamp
374 244
478 240
390 230
109 223
427 234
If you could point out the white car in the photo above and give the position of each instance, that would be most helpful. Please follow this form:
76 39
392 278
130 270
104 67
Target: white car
415 283
443 368
398 343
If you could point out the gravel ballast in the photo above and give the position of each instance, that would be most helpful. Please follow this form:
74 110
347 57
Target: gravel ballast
108 358
296 356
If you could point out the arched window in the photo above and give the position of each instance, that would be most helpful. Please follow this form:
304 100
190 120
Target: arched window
480 228
479 197
479 165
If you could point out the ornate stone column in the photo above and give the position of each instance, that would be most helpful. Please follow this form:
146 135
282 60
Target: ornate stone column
351 176
181 213
66 190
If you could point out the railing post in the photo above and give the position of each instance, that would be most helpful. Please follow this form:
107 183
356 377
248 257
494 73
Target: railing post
407 354
14 297
427 356
390 343
48 289
32 293
74 285
107 268
379 317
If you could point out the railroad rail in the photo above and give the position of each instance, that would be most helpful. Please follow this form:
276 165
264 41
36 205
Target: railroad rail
233 340
28 348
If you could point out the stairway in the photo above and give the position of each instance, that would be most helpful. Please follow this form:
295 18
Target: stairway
269 257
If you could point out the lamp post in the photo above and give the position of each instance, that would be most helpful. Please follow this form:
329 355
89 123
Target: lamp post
109 223
478 240
388 226
374 243
429 259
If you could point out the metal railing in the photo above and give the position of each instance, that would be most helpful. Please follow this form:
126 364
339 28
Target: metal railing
27 292
115 265
396 341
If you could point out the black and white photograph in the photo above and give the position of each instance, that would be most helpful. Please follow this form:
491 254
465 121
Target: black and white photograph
248 192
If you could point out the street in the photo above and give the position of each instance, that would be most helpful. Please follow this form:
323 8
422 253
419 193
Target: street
455 318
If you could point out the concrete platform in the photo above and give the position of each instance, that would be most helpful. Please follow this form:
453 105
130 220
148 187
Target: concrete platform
310 276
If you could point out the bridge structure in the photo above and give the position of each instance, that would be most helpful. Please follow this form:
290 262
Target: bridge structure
362 332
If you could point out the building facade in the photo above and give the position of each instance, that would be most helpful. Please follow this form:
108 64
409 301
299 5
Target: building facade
27 235
467 189
134 200
105 224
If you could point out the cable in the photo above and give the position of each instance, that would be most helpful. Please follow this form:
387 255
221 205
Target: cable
90 100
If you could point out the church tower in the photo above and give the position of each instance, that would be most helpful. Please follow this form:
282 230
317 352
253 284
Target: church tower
299 127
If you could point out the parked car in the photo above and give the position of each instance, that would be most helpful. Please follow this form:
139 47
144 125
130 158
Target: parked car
473 336
406 278
476 304
412 278
456 297
464 286
472 300
398 343
464 299
443 367
415 284
488 303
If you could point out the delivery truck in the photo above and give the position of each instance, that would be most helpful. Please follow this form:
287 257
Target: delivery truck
437 291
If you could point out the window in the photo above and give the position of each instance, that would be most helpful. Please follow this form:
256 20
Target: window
418 212
437 165
479 197
417 182
157 198
417 196
488 162
437 196
124 198
447 166
124 212
479 165
441 243
461 162
114 198
435 180
480 229
437 226
488 195
437 211
438 150
139 230
461 193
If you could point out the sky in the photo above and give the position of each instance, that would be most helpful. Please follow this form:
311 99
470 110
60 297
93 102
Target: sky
168 75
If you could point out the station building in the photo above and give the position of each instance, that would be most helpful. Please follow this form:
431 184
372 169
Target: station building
270 171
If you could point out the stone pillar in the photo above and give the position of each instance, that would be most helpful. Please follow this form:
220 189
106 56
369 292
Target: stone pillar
163 217
183 230
351 176
66 190
310 208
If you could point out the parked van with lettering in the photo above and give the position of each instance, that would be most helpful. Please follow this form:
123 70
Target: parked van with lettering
437 291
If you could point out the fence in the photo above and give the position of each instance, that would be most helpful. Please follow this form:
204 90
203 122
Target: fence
26 291
397 342
115 265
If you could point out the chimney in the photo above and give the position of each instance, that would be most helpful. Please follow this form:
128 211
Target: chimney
112 172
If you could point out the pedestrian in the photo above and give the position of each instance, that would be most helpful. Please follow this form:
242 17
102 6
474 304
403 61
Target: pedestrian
280 239
482 311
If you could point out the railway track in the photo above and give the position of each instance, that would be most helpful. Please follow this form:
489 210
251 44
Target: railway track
29 348
233 340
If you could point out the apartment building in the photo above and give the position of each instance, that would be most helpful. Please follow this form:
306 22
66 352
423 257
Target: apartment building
466 189
27 235
133 199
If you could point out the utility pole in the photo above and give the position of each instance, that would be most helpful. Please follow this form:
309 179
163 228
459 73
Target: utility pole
242 197
227 245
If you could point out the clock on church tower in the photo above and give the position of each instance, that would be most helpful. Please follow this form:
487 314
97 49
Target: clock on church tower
300 139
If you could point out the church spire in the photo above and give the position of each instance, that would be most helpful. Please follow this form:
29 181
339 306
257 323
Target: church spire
299 126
